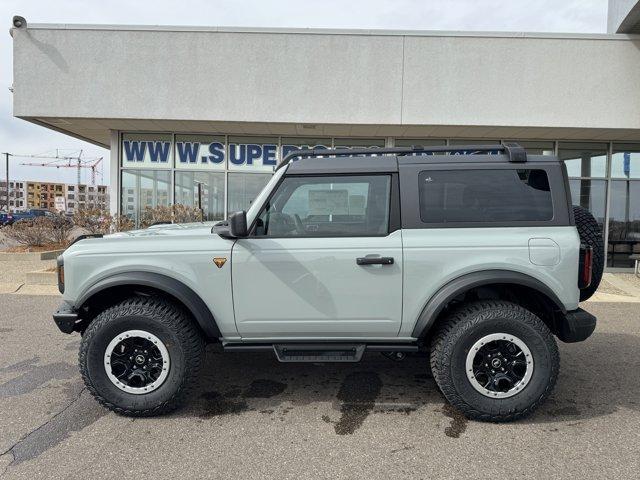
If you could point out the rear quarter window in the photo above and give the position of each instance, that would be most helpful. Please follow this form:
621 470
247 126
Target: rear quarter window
485 196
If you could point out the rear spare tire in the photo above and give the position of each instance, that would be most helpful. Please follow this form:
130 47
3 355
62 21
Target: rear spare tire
590 235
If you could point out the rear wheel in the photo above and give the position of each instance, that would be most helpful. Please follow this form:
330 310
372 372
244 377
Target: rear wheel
590 235
494 361
141 357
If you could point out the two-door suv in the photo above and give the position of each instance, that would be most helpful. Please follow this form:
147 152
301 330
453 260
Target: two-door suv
473 254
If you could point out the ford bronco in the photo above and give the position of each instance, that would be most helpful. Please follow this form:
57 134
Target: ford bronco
472 254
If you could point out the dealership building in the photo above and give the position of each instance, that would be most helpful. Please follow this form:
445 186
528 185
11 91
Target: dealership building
201 116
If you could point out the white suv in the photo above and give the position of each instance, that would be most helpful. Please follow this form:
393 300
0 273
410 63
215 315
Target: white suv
471 253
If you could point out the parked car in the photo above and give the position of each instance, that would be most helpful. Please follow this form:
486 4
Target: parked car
9 218
6 218
478 259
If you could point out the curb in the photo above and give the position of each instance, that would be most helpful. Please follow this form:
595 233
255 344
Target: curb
41 277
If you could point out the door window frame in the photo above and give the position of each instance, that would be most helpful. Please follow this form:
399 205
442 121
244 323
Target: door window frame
393 223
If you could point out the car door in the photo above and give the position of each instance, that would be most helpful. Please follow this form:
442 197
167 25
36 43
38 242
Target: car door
324 259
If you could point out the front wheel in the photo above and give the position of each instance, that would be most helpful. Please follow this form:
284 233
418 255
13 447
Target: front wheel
141 357
494 361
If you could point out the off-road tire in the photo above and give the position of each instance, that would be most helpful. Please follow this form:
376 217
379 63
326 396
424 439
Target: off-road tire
463 327
167 321
591 235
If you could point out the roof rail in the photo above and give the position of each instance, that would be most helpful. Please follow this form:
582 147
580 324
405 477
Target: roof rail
515 152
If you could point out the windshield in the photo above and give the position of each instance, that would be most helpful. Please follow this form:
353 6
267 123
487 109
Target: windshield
254 209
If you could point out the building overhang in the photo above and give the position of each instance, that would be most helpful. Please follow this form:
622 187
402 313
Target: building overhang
89 80
98 131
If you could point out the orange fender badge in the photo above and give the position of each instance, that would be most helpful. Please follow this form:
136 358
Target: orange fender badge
219 261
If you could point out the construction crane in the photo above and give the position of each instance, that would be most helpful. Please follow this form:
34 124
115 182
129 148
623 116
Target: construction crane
76 162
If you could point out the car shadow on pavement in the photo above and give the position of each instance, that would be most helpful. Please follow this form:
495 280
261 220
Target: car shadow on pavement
592 382
235 383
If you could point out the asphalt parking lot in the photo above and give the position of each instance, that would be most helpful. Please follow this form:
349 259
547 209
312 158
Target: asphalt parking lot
257 418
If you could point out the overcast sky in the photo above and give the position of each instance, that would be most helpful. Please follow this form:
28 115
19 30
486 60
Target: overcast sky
20 137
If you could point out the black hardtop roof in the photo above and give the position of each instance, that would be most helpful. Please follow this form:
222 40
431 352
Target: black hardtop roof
384 160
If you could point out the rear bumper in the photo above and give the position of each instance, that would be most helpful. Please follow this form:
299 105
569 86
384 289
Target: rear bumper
66 318
576 326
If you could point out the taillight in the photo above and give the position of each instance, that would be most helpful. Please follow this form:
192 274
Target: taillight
586 266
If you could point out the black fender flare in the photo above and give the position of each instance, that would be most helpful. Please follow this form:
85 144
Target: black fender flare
190 299
466 282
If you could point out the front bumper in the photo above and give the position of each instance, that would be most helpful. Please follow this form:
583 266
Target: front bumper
66 318
576 326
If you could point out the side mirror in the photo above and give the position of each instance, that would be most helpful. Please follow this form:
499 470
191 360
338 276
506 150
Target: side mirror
238 224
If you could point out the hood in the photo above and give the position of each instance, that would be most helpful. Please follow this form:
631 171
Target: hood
169 229
159 238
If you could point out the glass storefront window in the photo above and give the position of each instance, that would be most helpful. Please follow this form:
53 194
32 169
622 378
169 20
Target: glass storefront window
590 194
144 188
584 159
624 223
625 162
243 189
202 190
210 171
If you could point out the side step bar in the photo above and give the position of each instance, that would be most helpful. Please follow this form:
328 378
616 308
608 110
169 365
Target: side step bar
319 352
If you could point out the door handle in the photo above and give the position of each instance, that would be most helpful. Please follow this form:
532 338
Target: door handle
374 260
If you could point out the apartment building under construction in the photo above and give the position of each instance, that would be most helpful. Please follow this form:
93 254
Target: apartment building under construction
58 197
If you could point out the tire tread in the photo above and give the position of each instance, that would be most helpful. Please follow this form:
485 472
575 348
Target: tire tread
468 316
173 317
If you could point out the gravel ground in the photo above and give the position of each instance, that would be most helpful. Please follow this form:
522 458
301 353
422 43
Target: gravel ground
256 418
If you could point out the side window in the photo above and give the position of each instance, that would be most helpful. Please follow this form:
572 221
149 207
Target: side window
323 206
485 196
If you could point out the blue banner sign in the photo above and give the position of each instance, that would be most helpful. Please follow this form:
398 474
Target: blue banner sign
198 153
193 153
252 155
154 152
626 163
